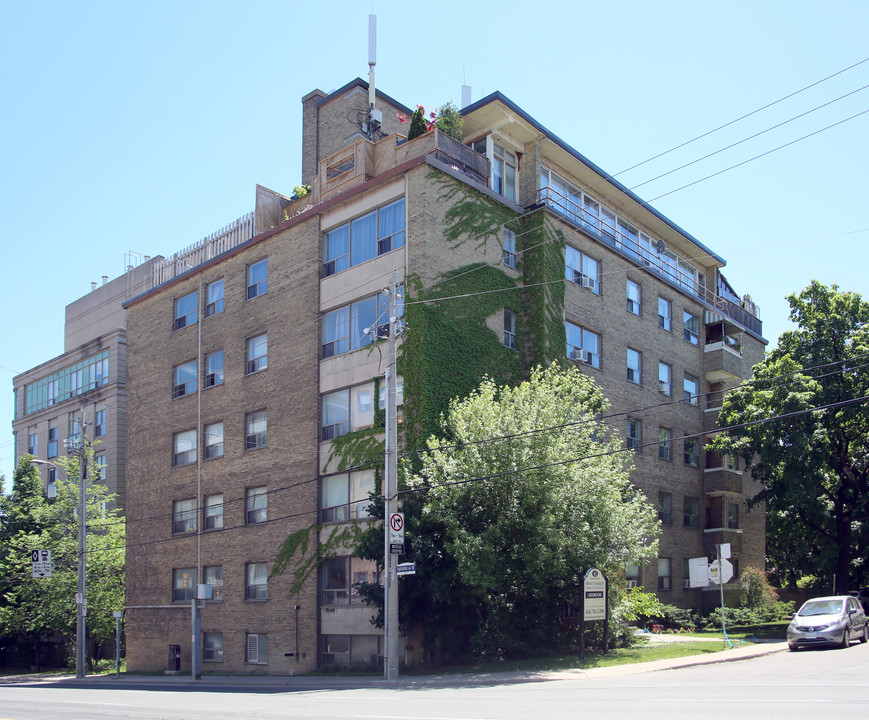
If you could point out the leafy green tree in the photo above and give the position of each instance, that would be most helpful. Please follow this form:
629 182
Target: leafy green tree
813 466
450 121
519 496
418 124
33 608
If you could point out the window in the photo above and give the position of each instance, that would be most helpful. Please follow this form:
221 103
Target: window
635 435
352 650
184 382
214 298
635 366
64 384
364 238
581 269
183 584
257 354
632 576
214 369
185 311
73 431
665 508
691 511
510 329
504 172
732 516
256 430
101 467
686 573
213 575
256 578
351 327
52 438
100 420
664 314
633 291
256 505
691 453
341 574
212 647
345 496
691 388
257 279
32 441
690 328
583 345
184 448
347 410
665 443
665 374
511 259
184 516
213 441
664 574
214 512
256 648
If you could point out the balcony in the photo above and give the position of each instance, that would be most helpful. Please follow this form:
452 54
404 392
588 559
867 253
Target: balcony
722 362
714 536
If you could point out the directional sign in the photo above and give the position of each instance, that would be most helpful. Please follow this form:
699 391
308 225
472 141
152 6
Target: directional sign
396 527
405 569
594 595
40 561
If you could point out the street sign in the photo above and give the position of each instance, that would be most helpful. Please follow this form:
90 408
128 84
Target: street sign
720 571
594 595
406 569
396 528
698 572
396 548
40 562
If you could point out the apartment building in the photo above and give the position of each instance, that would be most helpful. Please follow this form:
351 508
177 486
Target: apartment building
83 391
255 371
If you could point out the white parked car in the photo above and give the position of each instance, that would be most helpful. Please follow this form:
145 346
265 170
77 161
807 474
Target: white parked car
834 620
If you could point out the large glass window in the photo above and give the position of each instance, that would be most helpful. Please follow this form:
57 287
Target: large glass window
346 496
184 516
504 172
340 577
184 379
256 583
344 329
214 369
583 345
256 501
258 278
347 410
364 238
257 354
183 584
352 650
635 366
69 382
184 450
214 298
581 269
185 311
256 430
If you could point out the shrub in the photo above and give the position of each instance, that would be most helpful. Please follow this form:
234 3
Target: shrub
417 124
450 121
755 590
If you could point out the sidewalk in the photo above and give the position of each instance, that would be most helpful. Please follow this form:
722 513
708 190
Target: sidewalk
275 683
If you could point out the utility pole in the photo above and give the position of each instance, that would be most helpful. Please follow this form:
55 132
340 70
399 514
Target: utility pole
390 485
79 445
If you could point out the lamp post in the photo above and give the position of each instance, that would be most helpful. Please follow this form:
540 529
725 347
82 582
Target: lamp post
81 596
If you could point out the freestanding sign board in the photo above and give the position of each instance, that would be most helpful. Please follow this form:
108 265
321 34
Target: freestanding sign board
593 599
40 561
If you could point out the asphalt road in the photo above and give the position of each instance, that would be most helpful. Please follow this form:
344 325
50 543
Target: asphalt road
808 684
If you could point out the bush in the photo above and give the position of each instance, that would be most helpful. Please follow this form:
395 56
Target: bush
755 590
417 124
450 121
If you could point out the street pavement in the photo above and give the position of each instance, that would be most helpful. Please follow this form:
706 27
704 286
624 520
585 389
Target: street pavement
272 683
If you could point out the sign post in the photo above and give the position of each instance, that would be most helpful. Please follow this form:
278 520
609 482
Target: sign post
593 599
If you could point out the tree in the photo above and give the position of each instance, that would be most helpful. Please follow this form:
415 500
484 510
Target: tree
813 466
417 123
34 608
450 121
520 496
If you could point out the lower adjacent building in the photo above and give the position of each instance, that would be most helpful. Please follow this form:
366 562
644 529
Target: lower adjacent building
255 370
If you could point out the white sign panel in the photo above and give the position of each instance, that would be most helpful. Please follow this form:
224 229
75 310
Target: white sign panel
698 572
396 528
720 571
405 569
40 561
594 595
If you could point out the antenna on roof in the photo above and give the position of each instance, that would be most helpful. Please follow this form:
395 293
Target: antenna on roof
375 117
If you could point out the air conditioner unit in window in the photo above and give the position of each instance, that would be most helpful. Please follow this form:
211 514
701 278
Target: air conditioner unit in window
587 282
585 356
631 584
665 387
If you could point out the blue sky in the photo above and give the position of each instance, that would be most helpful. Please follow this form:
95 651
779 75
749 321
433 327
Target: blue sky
144 127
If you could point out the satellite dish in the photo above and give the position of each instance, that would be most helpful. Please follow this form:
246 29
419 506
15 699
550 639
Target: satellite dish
660 247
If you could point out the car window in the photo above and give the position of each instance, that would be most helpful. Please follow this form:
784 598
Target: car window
822 607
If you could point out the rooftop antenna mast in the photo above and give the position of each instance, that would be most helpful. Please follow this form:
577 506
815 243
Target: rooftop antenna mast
375 116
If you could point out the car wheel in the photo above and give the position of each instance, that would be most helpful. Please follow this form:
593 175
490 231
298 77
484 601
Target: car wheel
846 638
792 647
865 636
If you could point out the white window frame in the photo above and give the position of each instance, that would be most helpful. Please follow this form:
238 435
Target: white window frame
184 379
213 371
509 329
344 497
214 297
511 259
212 438
690 327
665 443
665 508
691 395
183 584
212 651
635 435
634 361
353 570
256 505
665 573
586 352
386 239
256 430
257 275
505 172
634 293
185 317
350 409
256 581
184 516
664 314
184 448
256 648
213 575
256 354
691 457
582 269
665 378
213 512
